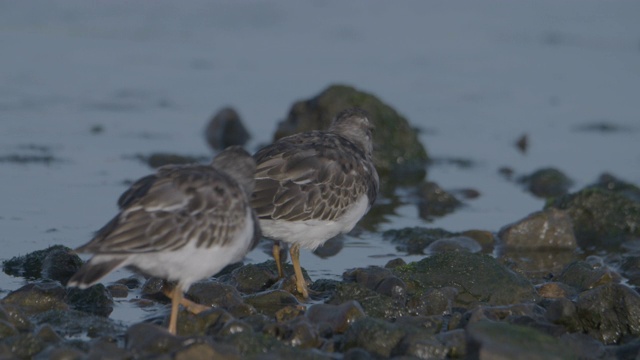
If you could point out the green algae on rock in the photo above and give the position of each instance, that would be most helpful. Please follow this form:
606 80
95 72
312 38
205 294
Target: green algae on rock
478 278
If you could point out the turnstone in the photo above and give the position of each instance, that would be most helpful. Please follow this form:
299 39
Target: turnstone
183 223
315 185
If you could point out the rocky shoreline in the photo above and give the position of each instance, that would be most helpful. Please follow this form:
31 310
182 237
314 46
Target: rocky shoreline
561 283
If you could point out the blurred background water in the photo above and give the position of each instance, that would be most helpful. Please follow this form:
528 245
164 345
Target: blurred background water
86 86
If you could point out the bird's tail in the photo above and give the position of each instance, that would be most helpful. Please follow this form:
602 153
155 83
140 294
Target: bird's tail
94 270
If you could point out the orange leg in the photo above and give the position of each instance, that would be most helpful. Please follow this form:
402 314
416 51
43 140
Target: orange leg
294 250
276 256
188 304
176 297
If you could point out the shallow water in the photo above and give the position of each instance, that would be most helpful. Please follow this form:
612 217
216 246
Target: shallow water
85 87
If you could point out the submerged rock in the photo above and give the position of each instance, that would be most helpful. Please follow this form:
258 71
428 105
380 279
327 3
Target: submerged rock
548 229
226 129
435 201
57 262
397 149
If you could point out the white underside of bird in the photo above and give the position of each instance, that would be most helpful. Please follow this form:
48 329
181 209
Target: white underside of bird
312 233
187 264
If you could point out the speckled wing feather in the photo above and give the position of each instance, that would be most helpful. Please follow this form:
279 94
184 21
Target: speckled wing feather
315 175
162 212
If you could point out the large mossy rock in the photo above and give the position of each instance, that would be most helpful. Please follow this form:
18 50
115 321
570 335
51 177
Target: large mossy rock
397 149
480 279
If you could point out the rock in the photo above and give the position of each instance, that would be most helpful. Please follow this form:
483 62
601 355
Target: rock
217 295
7 329
373 303
21 346
269 302
630 268
145 340
338 317
609 313
551 228
380 280
73 323
397 149
435 201
253 345
427 324
55 263
601 217
252 278
583 276
204 350
530 314
35 298
298 332
496 340
538 265
95 300
15 316
432 301
478 278
373 335
455 341
414 240
456 243
416 344
226 129
204 323
118 290
547 183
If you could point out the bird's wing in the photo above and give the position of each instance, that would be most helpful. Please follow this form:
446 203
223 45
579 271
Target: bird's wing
163 212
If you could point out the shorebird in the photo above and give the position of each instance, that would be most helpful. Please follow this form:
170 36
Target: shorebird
184 223
315 185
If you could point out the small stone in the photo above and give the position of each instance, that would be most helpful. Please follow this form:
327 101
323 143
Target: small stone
118 290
